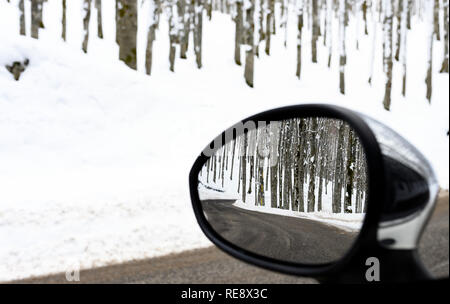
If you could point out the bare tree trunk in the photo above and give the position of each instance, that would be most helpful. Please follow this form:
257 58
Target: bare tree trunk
387 52
215 169
172 41
127 31
36 17
338 172
98 7
198 32
232 159
118 26
398 15
312 166
22 17
185 9
374 41
437 30
238 33
299 37
364 10
404 33
154 7
259 25
281 157
270 19
409 13
350 172
444 67
301 169
342 51
315 31
86 19
273 163
329 21
324 7
260 184
244 167
429 77
295 150
222 170
250 44
64 19
209 8
287 160
284 19
321 153
252 169
208 164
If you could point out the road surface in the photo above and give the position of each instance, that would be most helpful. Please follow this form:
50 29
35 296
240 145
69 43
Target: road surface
287 238
433 247
210 265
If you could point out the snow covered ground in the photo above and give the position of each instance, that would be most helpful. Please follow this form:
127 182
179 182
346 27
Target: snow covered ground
94 157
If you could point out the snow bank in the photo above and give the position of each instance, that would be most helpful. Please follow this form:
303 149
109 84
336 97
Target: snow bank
345 221
348 222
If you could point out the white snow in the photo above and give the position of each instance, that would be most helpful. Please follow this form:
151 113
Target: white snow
94 157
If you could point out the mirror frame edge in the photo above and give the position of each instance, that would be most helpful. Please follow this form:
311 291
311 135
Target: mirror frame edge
378 196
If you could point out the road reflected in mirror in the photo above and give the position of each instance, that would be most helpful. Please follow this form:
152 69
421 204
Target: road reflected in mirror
293 190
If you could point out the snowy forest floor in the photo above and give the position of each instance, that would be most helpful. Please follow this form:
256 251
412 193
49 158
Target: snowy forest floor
94 157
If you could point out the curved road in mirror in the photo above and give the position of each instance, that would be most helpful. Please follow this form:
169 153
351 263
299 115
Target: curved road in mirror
287 238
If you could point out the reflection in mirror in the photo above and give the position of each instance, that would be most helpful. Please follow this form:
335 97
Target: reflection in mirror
293 190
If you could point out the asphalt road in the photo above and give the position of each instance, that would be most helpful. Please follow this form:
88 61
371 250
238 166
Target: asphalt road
433 247
287 238
210 265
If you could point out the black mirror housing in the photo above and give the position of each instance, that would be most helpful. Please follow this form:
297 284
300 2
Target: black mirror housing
372 239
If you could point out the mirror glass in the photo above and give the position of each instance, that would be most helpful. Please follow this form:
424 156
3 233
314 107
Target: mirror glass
293 190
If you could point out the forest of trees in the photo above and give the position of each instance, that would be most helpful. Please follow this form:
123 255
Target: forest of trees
256 21
297 164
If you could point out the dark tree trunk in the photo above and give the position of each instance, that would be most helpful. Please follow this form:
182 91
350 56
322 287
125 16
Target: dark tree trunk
350 172
387 53
315 30
398 15
436 18
64 19
338 172
127 31
86 19
238 33
98 7
244 167
269 21
364 10
36 17
312 165
301 168
22 17
151 37
408 16
342 55
444 67
198 32
299 40
250 53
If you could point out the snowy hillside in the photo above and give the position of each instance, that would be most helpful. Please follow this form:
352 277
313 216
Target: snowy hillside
94 157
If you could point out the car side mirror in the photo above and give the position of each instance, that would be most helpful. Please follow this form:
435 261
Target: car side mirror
314 190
